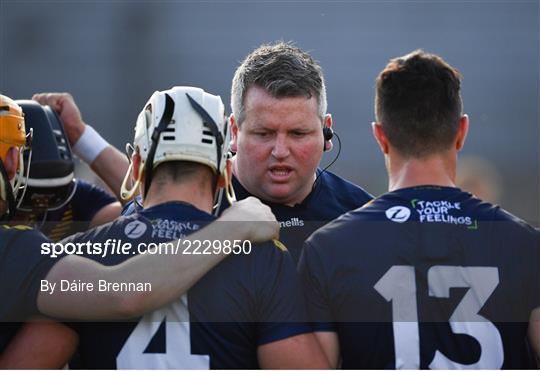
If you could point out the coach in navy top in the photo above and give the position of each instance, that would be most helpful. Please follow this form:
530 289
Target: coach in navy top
280 130
427 275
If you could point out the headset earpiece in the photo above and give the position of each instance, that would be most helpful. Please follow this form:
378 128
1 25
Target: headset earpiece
328 134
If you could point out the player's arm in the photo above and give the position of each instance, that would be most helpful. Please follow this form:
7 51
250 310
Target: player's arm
170 276
311 270
111 165
285 339
297 352
534 333
40 344
106 214
105 160
94 204
329 342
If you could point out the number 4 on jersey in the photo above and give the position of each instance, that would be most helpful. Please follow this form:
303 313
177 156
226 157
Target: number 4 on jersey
177 343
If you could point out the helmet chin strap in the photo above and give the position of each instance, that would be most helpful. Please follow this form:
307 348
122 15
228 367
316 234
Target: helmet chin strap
229 193
229 190
126 193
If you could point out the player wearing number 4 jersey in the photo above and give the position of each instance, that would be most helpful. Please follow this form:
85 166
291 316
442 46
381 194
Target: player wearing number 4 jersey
427 275
23 267
247 312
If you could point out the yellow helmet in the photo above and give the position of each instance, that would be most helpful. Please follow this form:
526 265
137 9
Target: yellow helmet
12 130
12 134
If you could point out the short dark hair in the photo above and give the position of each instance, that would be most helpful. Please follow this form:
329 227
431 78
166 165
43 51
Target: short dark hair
180 171
283 70
418 103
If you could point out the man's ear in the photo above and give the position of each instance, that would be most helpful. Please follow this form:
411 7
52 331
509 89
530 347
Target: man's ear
234 132
380 136
328 120
12 162
462 132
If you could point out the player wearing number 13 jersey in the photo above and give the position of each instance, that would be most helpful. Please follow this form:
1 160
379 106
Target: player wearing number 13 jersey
247 312
427 275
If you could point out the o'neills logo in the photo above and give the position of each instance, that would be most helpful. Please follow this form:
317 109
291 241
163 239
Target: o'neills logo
293 222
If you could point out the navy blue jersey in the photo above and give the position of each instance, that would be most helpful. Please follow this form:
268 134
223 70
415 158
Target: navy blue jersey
22 267
331 197
76 215
425 277
246 301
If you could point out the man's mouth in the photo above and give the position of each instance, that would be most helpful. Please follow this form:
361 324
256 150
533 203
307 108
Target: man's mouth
280 172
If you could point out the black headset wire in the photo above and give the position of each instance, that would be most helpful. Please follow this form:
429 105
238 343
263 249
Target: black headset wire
331 163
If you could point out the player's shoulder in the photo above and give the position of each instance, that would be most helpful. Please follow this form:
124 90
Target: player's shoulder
86 189
19 230
129 227
501 219
84 186
343 187
335 195
373 210
505 219
19 236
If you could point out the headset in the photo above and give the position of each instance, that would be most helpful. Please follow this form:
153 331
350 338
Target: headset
328 134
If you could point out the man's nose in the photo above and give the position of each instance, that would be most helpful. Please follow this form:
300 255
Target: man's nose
281 147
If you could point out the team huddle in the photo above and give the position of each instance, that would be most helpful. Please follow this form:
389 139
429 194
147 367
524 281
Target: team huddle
317 273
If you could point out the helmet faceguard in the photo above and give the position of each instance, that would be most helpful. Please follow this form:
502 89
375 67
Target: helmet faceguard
180 124
51 183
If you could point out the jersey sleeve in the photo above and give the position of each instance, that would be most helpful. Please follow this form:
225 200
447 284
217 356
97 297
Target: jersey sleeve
280 308
22 267
316 296
88 200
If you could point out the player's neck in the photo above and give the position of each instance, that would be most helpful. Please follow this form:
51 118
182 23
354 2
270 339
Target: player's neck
411 172
189 192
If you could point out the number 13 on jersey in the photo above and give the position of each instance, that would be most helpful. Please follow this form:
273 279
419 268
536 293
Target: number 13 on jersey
398 285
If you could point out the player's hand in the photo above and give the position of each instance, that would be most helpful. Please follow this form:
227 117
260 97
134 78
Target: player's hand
64 105
254 217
